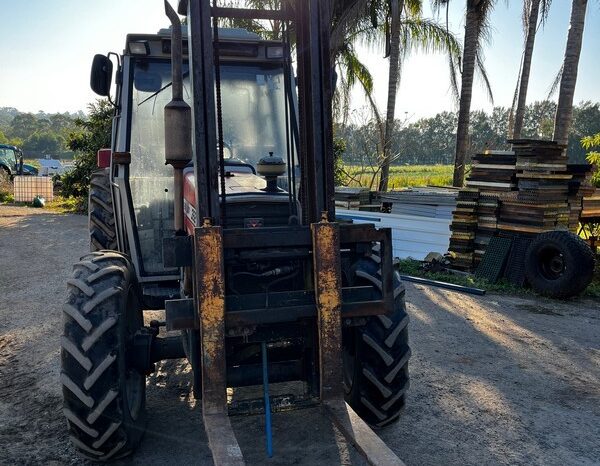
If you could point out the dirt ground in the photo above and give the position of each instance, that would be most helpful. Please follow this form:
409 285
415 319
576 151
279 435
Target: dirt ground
495 379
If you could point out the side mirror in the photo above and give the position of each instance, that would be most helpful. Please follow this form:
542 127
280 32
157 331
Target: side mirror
101 76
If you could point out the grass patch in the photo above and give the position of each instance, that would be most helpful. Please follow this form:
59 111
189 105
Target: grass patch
6 197
415 268
402 176
593 291
66 205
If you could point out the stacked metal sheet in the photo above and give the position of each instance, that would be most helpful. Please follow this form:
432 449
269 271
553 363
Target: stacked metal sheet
522 192
580 187
464 228
351 198
493 171
427 202
543 185
487 223
591 206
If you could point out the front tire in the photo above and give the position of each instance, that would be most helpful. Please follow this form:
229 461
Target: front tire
376 356
104 397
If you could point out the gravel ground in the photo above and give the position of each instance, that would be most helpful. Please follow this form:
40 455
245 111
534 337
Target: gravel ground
495 379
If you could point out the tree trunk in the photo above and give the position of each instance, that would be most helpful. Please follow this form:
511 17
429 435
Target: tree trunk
564 110
466 92
525 71
394 76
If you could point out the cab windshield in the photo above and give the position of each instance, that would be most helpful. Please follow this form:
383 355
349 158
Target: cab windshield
8 156
254 125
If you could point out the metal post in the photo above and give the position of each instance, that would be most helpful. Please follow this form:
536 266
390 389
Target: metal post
204 134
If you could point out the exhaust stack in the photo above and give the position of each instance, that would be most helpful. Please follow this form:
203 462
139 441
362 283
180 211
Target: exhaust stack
178 118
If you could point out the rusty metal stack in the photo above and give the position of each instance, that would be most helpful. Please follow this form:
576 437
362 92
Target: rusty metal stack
493 174
493 171
591 206
541 202
522 192
464 228
581 194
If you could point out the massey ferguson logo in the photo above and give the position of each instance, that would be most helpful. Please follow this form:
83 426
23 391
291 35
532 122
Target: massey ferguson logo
190 212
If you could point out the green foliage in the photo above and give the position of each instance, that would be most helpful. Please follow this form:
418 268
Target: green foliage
11 141
593 142
43 142
414 268
37 134
6 188
91 135
339 147
430 141
62 205
405 176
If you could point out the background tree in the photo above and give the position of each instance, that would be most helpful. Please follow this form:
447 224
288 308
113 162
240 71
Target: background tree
564 110
592 144
92 134
476 30
403 30
43 143
531 14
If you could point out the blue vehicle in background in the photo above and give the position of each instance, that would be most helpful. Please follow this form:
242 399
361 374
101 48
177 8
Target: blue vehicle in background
11 163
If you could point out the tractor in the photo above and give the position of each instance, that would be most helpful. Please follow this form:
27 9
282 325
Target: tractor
215 203
11 163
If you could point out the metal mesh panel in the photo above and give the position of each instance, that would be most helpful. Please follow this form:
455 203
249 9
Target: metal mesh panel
28 187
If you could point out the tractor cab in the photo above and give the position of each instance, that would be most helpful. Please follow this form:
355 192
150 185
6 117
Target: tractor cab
257 124
11 162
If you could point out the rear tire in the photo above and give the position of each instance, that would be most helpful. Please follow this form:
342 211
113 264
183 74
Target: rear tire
103 396
376 356
559 264
101 220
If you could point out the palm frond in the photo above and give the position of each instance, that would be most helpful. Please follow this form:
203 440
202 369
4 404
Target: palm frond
513 106
544 11
428 36
454 69
484 77
556 83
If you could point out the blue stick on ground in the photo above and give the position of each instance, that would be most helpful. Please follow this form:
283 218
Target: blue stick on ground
268 429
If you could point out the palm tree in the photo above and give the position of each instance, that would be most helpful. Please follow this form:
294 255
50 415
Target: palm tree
564 110
531 13
396 6
406 32
401 23
476 30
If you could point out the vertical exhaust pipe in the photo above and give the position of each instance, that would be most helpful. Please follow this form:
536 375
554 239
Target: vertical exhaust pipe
178 118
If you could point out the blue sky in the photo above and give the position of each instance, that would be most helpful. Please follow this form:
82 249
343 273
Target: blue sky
46 51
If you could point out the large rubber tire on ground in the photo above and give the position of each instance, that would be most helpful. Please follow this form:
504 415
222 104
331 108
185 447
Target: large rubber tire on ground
376 355
101 219
559 264
104 397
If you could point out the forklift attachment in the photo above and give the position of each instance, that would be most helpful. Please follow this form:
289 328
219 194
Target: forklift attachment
210 286
328 286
